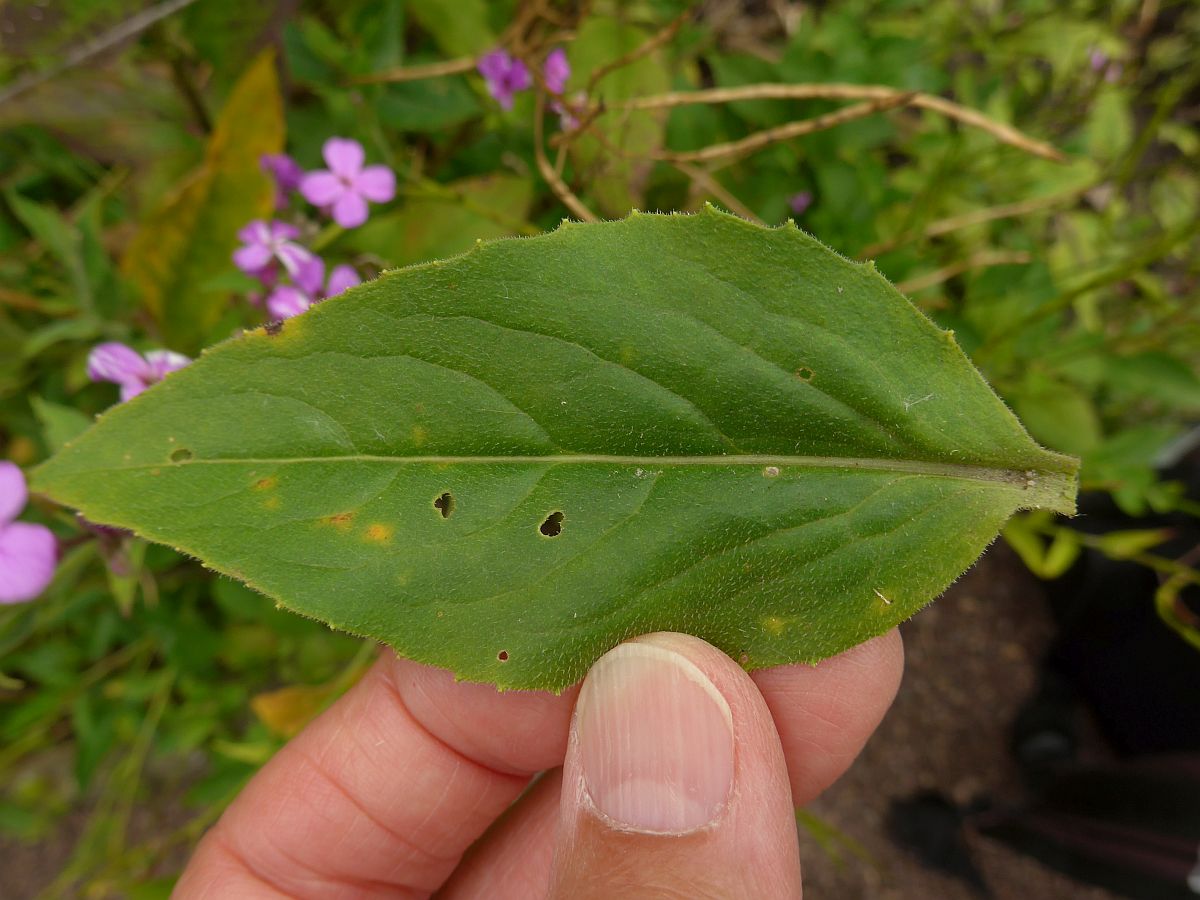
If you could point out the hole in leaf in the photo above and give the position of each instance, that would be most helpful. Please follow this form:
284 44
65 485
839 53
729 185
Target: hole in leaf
444 504
804 373
502 656
552 527
181 454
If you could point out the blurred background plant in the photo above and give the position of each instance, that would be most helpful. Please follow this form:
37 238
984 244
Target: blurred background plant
132 145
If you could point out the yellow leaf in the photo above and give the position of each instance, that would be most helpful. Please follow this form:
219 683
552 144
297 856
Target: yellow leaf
183 244
289 709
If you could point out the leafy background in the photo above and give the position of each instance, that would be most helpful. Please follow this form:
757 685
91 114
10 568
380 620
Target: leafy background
125 174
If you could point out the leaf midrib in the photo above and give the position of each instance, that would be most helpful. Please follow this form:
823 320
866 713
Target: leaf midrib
908 466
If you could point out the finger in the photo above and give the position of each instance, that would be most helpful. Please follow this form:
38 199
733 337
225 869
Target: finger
825 713
512 860
674 781
383 793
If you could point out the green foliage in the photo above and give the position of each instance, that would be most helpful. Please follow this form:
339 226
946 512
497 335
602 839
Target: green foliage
1072 286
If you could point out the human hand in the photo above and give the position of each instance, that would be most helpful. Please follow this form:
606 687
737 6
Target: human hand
679 777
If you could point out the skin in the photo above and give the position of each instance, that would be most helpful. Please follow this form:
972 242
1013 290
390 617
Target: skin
413 784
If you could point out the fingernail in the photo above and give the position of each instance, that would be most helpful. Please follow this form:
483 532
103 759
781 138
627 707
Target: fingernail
655 740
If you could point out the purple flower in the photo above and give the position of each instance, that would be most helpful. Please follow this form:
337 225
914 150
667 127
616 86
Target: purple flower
28 552
264 243
800 202
310 276
504 75
556 70
1097 59
346 186
285 171
287 300
131 370
340 279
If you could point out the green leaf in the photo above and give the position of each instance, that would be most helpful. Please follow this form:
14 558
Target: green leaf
60 424
181 247
1058 413
59 237
460 27
428 106
447 222
1157 375
508 462
1128 544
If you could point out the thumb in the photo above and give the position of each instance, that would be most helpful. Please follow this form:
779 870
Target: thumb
674 782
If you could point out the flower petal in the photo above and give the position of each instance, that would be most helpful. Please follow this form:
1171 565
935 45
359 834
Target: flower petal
115 362
285 170
518 76
350 210
255 232
310 275
494 65
341 278
28 555
293 256
800 202
252 258
321 188
502 94
376 183
556 70
163 362
13 493
287 301
343 156
283 231
131 388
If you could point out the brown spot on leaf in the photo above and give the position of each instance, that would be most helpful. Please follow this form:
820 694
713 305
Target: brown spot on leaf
342 521
266 484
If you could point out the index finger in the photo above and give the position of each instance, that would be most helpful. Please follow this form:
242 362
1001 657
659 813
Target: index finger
384 792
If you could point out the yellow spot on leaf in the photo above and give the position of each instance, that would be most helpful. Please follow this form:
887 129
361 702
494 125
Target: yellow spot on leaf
271 502
378 533
266 484
419 434
774 625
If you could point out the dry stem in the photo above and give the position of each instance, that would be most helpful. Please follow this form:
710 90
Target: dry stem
416 73
718 190
979 260
564 193
734 149
975 217
1005 133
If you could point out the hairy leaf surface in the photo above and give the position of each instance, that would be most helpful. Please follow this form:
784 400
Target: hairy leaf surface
507 462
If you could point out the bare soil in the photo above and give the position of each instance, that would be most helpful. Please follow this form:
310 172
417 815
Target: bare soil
971 662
